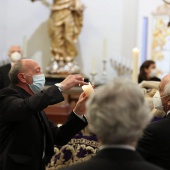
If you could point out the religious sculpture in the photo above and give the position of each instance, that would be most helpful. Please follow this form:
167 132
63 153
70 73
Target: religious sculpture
65 24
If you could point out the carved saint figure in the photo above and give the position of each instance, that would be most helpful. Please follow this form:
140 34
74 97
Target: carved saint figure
65 25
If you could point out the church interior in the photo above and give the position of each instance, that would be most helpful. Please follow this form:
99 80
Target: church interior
100 40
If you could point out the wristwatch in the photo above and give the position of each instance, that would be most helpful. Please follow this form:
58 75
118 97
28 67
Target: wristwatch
59 86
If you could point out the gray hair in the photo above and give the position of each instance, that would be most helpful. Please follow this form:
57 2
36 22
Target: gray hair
15 69
118 113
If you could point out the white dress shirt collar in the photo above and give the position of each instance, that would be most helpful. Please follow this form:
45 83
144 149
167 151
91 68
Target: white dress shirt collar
167 113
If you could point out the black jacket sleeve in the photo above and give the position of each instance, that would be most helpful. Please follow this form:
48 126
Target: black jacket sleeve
14 107
63 134
146 145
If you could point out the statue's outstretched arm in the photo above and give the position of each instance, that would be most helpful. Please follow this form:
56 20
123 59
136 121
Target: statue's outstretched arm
44 2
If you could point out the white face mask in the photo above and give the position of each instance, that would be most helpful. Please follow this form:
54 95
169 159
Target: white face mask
153 73
38 83
15 56
157 102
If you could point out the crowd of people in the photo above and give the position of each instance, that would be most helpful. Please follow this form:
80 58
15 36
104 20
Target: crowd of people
118 114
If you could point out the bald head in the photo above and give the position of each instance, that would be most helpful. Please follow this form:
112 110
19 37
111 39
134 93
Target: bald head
164 89
30 66
27 66
164 86
14 48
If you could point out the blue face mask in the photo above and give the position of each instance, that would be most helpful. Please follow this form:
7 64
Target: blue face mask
38 83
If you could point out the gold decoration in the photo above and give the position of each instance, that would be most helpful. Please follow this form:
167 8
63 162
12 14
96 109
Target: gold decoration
159 35
65 24
64 27
79 149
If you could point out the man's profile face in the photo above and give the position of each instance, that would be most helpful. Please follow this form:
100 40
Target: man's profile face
164 99
31 68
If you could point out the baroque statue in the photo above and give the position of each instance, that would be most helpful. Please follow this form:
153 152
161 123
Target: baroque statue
65 24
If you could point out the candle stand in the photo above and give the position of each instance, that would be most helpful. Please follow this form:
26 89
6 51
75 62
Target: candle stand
93 74
104 73
122 70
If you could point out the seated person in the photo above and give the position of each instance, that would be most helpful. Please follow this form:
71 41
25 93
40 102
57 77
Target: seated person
14 55
117 113
149 88
148 72
154 144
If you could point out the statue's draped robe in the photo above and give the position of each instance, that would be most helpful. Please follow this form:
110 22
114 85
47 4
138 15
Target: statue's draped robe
64 27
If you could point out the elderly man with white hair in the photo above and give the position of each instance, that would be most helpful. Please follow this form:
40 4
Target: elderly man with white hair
14 54
154 146
117 114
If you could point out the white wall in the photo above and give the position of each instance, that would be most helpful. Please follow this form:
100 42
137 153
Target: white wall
146 7
113 20
22 18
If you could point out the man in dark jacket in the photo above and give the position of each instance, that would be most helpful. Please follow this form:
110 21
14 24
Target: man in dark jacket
154 146
27 137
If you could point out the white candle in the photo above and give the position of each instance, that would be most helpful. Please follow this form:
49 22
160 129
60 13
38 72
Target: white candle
88 89
105 50
135 65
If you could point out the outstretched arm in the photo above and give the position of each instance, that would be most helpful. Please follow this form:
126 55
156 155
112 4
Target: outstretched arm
73 125
44 2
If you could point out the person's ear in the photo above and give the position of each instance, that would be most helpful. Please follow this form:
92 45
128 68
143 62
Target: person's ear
22 78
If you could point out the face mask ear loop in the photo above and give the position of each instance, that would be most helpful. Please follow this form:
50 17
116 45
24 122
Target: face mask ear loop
27 75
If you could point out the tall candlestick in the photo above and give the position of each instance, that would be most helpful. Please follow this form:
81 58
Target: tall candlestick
88 89
105 49
94 65
93 74
103 79
24 47
135 65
